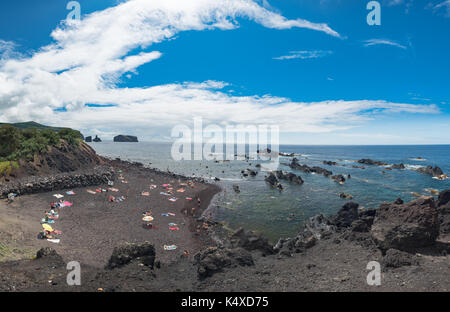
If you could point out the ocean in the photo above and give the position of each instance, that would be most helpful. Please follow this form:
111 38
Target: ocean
278 214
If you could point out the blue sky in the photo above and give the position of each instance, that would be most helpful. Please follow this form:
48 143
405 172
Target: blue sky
258 69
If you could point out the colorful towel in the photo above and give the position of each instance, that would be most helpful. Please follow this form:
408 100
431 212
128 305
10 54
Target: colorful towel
58 196
170 247
70 193
173 199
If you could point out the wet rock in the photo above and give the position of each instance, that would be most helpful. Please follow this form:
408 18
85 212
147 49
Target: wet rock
236 188
407 226
346 215
395 259
398 201
398 166
250 241
345 196
338 178
318 170
330 163
368 161
432 171
272 180
289 176
319 226
213 260
126 253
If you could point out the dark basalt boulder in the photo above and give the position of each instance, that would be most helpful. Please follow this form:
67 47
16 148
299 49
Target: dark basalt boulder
330 163
236 188
272 180
96 139
430 170
88 139
125 138
398 166
252 173
250 241
346 215
407 226
50 256
395 259
398 201
443 198
126 253
338 178
214 259
368 161
289 176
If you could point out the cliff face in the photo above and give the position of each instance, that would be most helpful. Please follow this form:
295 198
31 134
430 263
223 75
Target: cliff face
125 138
57 159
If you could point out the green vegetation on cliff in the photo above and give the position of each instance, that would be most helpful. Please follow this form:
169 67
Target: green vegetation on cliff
24 140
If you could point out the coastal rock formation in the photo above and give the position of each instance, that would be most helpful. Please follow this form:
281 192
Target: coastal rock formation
368 161
126 253
398 166
443 205
346 215
125 138
406 226
49 253
96 139
338 178
272 180
214 259
318 170
250 241
289 176
88 139
330 163
236 188
432 171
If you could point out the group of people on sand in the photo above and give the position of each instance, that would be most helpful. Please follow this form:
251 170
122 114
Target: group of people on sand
50 217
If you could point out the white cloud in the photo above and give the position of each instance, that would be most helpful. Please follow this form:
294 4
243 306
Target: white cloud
373 42
303 55
443 5
89 57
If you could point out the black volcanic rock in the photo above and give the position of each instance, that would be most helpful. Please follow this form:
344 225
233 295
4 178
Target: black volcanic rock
97 139
432 171
368 161
88 139
125 138
408 226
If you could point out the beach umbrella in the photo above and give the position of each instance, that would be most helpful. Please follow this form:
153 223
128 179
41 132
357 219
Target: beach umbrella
47 227
147 219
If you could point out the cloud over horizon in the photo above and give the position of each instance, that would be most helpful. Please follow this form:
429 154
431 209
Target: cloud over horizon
87 59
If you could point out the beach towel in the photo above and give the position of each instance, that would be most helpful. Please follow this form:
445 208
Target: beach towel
165 214
58 196
173 228
172 199
170 247
55 240
70 193
164 193
171 214
49 221
181 190
173 224
147 219
152 187
189 198
112 189
145 194
91 192
66 204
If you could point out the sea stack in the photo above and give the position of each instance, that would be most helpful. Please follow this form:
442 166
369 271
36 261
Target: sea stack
125 138
97 139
